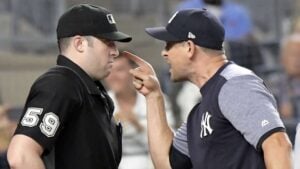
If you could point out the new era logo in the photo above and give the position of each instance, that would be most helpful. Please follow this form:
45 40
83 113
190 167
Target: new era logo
110 19
264 123
191 35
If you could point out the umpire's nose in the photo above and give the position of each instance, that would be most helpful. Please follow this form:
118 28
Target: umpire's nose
115 52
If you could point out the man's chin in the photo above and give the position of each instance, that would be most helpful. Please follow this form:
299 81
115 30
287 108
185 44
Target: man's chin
102 77
177 78
174 79
106 74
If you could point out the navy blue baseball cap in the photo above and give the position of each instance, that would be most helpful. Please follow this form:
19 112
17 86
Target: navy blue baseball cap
87 19
197 25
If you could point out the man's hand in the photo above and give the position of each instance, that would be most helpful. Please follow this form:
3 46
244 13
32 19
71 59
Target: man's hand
145 79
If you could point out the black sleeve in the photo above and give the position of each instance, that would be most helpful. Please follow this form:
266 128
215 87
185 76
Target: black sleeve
179 160
51 100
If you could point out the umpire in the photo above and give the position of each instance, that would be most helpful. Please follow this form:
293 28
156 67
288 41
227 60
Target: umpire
67 119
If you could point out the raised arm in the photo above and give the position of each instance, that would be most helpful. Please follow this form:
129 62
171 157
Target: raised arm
159 133
277 151
24 153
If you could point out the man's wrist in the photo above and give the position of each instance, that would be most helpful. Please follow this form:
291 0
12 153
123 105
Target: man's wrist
154 95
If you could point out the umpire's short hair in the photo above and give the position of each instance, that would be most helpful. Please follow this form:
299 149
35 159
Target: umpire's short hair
63 44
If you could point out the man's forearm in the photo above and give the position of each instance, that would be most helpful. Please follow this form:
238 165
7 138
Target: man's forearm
277 152
159 133
24 153
27 162
279 160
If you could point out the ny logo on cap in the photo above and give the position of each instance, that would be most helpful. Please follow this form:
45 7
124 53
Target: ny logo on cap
110 19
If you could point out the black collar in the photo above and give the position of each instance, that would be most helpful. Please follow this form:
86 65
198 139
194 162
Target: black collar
93 87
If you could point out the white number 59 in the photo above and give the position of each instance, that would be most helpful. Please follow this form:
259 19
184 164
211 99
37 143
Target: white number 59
31 117
48 126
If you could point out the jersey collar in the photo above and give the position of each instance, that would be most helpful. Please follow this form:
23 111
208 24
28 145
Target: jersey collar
207 85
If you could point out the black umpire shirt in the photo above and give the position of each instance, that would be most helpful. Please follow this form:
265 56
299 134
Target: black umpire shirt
70 116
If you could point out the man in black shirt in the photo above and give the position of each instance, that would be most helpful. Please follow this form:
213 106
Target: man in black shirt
67 120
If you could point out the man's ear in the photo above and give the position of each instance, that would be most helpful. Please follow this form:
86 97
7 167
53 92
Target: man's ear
191 48
79 43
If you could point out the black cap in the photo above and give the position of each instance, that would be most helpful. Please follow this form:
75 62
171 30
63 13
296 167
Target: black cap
89 20
197 25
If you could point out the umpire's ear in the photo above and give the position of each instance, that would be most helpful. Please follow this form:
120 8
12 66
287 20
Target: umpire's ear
79 43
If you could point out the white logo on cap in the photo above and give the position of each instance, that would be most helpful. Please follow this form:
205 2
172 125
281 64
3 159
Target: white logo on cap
191 35
110 19
173 17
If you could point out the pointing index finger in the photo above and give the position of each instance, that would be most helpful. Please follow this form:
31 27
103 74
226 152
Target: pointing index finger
144 65
139 61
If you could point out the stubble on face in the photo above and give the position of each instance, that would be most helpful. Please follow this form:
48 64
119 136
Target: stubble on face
176 69
175 74
102 62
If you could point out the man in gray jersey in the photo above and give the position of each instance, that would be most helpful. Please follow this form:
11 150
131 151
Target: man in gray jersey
235 126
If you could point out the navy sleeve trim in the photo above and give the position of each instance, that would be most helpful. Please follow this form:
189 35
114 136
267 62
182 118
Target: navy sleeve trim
266 135
179 160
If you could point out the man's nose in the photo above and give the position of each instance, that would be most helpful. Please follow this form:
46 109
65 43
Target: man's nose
164 53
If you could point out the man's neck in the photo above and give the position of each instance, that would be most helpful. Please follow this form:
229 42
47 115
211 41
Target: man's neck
208 70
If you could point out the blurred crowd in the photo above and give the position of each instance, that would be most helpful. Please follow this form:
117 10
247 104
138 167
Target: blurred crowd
242 47
7 127
130 109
